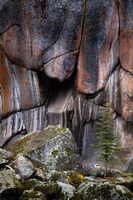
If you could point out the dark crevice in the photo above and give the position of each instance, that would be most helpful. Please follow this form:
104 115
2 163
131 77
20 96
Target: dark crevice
23 132
119 115
84 13
15 24
74 51
126 70
19 111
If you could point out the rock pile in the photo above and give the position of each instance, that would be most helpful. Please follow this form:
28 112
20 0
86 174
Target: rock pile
46 165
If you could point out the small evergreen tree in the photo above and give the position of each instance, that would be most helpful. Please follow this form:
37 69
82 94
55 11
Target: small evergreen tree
106 139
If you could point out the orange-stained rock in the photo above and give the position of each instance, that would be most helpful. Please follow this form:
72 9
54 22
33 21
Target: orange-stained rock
19 87
99 46
126 34
5 81
61 67
126 95
59 37
118 93
42 31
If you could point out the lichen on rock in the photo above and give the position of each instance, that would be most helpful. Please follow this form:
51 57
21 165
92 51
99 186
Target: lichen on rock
104 191
53 148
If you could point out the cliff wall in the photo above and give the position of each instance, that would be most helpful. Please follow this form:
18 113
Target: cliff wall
61 62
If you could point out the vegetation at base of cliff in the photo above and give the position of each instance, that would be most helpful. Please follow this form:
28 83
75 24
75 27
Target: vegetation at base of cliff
107 140
75 178
127 175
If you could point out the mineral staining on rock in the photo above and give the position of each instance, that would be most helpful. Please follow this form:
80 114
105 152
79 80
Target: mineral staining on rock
18 87
99 47
87 42
126 34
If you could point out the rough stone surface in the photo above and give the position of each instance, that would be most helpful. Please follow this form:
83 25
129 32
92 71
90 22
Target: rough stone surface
5 156
10 185
67 191
48 188
63 185
126 34
126 181
24 167
58 176
54 148
18 87
104 191
59 153
99 47
34 195
87 42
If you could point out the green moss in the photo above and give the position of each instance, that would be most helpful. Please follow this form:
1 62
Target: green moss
36 139
47 188
69 151
30 194
127 175
75 179
54 153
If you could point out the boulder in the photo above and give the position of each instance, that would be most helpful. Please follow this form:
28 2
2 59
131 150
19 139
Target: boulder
53 148
31 194
126 180
58 176
24 167
49 189
104 191
10 185
68 177
67 192
5 156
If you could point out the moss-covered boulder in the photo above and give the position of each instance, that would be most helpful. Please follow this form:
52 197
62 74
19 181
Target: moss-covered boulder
49 189
67 192
74 178
10 185
55 176
53 148
104 191
126 180
32 195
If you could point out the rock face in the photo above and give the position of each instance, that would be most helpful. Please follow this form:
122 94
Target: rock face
87 42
